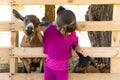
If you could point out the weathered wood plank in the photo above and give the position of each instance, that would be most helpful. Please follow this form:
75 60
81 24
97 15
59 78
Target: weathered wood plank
116 34
14 42
103 51
28 52
38 52
83 26
95 76
38 2
5 76
18 26
92 51
115 62
99 26
5 2
31 76
115 65
5 25
12 65
66 2
5 52
72 76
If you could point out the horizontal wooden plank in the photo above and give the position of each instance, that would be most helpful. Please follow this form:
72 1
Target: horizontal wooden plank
18 26
72 76
58 2
92 51
38 52
5 76
5 2
5 52
31 76
5 25
103 51
94 76
82 26
99 26
28 52
65 2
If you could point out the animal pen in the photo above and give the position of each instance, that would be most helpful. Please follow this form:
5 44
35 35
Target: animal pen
14 51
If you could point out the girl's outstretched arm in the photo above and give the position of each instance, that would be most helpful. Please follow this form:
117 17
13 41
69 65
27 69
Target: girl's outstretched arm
80 50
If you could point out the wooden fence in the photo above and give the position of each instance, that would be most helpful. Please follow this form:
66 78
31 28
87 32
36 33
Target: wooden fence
14 51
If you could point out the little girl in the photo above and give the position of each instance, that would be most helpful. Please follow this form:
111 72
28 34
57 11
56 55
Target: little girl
58 41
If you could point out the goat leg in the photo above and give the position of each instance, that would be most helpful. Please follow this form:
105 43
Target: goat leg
26 63
41 64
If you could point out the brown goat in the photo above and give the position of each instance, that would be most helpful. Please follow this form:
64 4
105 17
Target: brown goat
89 65
30 39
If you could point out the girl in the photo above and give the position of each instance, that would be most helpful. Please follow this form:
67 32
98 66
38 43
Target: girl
58 42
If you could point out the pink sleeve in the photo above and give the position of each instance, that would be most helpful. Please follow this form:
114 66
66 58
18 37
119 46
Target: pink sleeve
75 41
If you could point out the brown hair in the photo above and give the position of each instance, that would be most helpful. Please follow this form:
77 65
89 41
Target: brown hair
66 19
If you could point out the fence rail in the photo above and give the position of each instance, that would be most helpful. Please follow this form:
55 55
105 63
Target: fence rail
38 52
59 2
112 52
87 76
82 26
36 76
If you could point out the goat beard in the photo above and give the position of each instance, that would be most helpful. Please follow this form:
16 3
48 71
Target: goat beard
29 38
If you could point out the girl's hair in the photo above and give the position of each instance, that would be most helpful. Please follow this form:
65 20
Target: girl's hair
66 19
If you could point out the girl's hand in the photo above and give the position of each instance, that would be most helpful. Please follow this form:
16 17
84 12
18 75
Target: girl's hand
84 53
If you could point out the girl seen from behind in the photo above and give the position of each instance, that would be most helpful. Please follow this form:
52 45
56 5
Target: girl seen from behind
58 41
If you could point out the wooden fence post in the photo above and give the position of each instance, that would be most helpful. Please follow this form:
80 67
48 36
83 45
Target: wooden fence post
115 62
14 43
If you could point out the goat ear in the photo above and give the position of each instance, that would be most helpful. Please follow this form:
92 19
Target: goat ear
45 23
17 15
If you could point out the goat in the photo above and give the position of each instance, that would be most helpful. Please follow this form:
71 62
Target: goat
30 39
89 65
